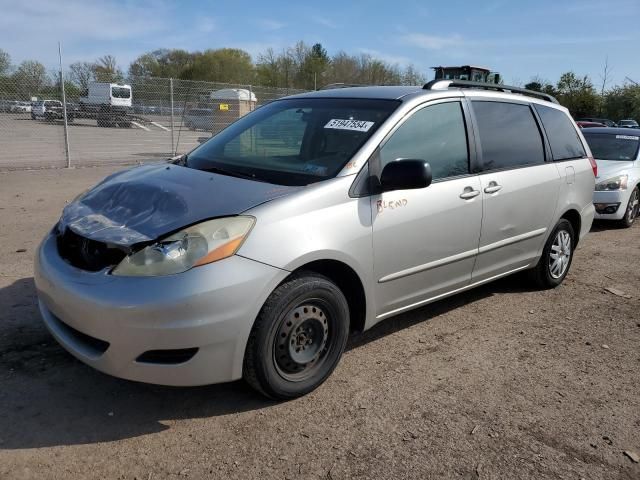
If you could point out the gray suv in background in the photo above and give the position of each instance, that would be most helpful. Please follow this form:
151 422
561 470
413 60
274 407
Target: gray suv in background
257 253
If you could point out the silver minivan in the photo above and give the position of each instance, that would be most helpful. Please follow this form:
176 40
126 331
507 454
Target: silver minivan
257 253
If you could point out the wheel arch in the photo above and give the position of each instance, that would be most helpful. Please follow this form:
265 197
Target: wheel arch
573 217
348 281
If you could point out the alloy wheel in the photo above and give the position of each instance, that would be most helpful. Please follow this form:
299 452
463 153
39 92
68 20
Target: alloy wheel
560 254
633 206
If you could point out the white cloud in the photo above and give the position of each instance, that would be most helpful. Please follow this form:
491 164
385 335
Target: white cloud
431 42
105 20
31 30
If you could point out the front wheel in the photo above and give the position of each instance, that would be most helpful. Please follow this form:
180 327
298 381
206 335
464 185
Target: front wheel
298 337
631 212
556 258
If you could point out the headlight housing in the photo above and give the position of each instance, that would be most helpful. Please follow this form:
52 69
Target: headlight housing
197 245
614 183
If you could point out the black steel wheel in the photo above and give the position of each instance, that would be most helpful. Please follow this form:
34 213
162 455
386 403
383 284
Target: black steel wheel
298 337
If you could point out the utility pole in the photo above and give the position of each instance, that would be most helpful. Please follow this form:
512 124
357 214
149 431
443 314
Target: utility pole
173 147
64 109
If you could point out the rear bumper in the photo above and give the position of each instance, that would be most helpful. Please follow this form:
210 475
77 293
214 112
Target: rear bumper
108 322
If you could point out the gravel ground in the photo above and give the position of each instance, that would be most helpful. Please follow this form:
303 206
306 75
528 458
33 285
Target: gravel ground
503 382
36 144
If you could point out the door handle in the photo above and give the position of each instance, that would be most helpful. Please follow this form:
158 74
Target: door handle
493 187
469 193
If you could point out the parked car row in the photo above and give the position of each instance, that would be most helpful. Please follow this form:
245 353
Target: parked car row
157 110
14 106
591 122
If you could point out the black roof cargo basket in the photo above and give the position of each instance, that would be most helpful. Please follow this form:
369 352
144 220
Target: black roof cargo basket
445 84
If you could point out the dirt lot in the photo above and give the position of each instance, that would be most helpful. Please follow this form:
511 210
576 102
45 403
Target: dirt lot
503 382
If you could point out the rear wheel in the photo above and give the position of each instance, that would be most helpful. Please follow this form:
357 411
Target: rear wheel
631 213
298 337
556 258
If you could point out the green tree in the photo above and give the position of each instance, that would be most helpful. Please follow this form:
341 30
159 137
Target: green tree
146 65
577 94
313 66
267 71
229 65
411 76
622 102
5 62
81 74
106 69
30 78
166 63
541 85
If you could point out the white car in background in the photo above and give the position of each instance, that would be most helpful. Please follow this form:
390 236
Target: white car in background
21 107
617 192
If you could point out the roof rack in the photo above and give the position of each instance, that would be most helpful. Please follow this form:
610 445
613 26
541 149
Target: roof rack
445 84
340 85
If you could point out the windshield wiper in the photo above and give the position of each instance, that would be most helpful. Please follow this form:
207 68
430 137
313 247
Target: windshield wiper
231 173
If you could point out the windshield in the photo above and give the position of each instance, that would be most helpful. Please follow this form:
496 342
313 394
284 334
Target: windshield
120 92
628 122
606 146
294 141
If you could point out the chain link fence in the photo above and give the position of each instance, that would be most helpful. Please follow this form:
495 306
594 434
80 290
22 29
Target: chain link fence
144 119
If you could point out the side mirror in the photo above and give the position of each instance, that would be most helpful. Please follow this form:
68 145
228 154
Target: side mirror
405 174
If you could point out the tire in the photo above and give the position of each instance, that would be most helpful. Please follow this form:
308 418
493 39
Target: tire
631 212
547 273
298 337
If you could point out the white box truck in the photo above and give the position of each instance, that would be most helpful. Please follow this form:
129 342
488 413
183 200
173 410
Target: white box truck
108 103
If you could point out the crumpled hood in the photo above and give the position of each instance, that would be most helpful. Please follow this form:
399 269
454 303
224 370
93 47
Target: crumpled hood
144 203
611 168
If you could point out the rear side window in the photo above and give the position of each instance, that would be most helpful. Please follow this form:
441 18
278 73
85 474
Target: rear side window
562 135
509 135
435 134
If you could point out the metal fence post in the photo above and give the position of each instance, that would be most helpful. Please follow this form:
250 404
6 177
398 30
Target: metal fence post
64 110
173 150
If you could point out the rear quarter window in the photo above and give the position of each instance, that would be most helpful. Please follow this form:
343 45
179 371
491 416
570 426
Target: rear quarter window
509 135
563 138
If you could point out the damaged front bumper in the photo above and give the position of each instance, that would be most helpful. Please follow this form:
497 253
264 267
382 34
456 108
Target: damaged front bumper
184 329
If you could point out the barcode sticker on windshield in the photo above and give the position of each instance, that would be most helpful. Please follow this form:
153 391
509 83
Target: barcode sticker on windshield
627 137
357 125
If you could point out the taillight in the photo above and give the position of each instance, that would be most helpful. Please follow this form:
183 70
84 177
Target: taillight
594 166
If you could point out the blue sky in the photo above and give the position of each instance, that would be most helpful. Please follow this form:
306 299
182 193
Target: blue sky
519 39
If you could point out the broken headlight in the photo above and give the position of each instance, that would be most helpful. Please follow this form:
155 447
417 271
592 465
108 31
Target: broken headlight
197 245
